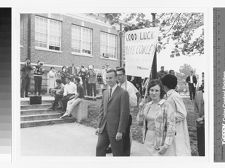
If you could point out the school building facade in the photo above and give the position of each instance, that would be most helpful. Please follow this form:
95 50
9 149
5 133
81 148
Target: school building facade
66 39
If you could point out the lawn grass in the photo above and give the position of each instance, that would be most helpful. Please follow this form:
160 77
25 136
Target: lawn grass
136 130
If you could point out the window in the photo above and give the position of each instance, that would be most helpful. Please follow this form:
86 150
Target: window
81 40
108 44
22 36
47 33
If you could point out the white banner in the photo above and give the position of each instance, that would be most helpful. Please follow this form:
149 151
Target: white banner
140 47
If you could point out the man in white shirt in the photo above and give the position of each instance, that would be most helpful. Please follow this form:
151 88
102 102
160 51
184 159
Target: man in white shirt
70 89
133 101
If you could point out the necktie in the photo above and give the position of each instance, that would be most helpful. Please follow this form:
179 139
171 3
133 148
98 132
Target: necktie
110 92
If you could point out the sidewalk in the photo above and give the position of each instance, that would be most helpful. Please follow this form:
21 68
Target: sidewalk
48 97
64 140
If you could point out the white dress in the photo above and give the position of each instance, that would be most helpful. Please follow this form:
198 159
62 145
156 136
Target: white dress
157 116
51 80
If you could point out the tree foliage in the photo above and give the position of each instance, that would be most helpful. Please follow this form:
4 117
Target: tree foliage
184 72
178 29
186 69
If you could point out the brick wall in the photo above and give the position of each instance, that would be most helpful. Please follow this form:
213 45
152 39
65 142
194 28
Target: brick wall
23 37
65 57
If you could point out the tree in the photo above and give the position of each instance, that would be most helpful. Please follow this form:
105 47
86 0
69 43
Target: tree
178 29
184 72
186 69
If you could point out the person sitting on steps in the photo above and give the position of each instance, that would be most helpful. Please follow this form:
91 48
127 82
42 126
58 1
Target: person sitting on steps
74 100
57 92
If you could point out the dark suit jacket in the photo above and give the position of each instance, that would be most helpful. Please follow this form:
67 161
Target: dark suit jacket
114 112
70 70
194 79
26 71
199 103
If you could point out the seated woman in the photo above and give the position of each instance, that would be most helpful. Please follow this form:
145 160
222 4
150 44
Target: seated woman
159 123
74 100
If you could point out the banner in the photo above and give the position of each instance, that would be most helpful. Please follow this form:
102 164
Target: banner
140 46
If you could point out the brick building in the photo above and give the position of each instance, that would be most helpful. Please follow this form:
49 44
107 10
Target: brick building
63 39
59 40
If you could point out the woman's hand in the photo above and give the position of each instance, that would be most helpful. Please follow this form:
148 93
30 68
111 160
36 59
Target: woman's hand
162 149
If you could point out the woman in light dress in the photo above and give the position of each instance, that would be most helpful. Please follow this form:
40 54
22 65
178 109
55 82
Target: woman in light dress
51 79
159 123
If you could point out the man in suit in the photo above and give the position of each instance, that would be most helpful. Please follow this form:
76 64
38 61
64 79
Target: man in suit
200 122
38 72
161 73
192 81
72 70
113 117
25 76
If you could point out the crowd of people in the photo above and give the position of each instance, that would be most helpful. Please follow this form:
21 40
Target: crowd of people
88 77
162 111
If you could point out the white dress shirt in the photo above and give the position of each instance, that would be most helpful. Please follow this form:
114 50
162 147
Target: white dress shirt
191 79
70 88
132 90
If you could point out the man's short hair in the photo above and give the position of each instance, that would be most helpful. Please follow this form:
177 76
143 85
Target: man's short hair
112 70
77 79
59 81
121 69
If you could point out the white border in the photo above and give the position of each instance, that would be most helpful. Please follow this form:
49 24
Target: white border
106 162
108 6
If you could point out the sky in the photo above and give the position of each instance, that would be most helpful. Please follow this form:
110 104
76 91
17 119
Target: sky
197 62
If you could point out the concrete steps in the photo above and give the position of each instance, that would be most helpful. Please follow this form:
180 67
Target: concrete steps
27 102
35 106
25 124
39 114
36 111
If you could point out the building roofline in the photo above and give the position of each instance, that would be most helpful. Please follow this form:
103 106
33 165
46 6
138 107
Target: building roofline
88 19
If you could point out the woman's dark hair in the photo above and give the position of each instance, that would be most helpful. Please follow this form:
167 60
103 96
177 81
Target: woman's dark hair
155 82
169 81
